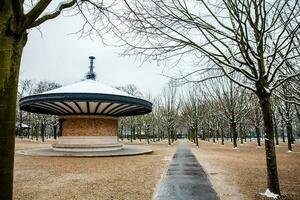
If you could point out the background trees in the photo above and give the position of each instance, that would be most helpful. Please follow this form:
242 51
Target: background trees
40 126
229 37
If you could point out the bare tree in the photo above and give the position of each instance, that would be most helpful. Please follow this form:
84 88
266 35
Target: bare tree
286 111
24 88
231 37
255 117
131 122
191 112
17 17
229 103
170 107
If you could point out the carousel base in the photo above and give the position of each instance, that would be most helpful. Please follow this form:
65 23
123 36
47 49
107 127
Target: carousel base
87 144
124 151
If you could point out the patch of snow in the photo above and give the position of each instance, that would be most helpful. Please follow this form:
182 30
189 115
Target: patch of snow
167 158
18 125
267 90
270 194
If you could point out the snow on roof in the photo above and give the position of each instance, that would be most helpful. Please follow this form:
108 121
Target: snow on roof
22 125
88 86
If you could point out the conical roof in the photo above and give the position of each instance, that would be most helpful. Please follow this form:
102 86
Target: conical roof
86 97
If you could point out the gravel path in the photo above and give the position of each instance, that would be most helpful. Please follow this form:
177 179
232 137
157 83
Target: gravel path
185 178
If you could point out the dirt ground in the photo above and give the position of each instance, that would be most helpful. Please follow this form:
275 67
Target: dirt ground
132 177
238 174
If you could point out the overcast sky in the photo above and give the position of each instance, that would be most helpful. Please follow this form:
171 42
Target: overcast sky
60 56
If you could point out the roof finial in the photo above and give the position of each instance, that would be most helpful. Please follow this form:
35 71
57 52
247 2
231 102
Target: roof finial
91 74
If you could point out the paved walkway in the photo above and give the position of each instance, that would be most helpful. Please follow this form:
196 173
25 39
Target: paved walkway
185 178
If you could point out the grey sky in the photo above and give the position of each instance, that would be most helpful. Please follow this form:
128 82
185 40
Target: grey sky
59 56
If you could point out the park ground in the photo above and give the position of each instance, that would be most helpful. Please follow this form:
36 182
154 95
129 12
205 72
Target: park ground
235 173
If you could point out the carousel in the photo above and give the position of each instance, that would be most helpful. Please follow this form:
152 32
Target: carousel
88 114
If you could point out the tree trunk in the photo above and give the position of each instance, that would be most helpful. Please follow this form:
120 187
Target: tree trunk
140 134
222 137
36 133
11 47
43 132
55 131
289 130
147 135
241 135
282 131
276 134
257 131
234 134
272 174
169 137
196 136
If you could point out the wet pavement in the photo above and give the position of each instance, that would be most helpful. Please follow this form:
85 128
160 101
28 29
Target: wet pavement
185 178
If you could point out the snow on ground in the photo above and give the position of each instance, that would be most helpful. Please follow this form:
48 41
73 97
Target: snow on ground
270 194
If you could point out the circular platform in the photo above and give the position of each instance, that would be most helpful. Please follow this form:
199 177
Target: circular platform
125 151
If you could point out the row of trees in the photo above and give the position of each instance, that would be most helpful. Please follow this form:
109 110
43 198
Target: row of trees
32 125
216 109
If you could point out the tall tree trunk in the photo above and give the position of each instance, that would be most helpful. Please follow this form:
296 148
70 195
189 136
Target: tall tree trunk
55 131
245 134
289 130
257 131
169 137
234 133
172 134
36 133
131 133
147 136
43 132
241 135
196 136
222 136
140 134
11 48
272 174
276 134
282 131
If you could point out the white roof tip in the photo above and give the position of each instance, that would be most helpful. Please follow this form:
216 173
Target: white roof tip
88 86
